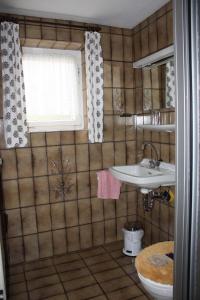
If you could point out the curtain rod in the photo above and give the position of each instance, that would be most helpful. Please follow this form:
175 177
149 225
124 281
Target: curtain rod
49 24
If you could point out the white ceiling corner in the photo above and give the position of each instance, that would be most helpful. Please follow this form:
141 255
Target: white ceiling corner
119 13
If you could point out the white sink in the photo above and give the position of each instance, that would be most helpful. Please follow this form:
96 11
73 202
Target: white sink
144 177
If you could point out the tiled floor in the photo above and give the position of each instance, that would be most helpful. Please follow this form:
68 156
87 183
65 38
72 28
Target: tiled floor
99 273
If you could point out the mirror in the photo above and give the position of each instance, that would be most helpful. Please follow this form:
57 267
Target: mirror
159 86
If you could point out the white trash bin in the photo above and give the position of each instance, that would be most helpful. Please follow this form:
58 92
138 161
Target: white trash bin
133 234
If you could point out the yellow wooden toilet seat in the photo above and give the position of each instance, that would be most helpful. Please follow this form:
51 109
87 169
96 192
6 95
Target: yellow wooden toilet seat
154 264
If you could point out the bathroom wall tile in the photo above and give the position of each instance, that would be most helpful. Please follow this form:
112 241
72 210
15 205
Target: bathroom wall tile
38 139
97 209
43 218
121 206
117 47
67 137
139 100
132 203
128 51
59 242
118 101
108 107
169 17
84 211
131 152
86 236
54 160
153 44
26 192
29 220
164 217
109 209
119 128
57 215
108 129
68 159
164 152
120 153
98 233
82 157
73 239
105 42
45 244
56 188
39 161
110 231
107 74
162 31
128 69
24 162
10 192
41 191
53 138
145 41
83 185
117 74
95 156
120 225
81 137
14 223
71 213
70 189
31 247
9 170
16 253
93 183
137 46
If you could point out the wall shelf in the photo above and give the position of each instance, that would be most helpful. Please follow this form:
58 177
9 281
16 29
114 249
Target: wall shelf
155 57
166 128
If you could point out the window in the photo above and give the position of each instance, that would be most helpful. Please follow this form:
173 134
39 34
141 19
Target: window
53 87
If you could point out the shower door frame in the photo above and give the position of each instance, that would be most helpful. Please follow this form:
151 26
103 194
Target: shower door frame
187 208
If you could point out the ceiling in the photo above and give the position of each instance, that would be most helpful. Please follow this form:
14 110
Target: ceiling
119 13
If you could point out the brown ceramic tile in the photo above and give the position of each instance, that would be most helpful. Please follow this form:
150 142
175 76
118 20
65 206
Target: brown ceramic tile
109 275
108 159
45 244
17 288
59 241
110 231
85 293
14 223
84 208
39 273
128 51
117 48
9 170
67 137
125 293
10 192
145 42
137 46
39 161
118 74
108 108
24 162
107 74
73 239
57 215
37 139
97 209
43 282
70 190
80 283
83 185
31 247
56 188
98 233
43 218
116 284
45 292
26 192
29 220
108 128
93 183
53 138
95 156
82 157
162 31
54 160
71 212
41 190
105 42
86 236
16 253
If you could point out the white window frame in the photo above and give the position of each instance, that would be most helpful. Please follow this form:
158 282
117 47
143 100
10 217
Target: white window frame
46 126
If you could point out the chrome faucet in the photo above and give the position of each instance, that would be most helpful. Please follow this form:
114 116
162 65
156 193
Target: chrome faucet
153 163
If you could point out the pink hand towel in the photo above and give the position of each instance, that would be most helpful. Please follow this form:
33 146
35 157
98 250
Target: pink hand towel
108 185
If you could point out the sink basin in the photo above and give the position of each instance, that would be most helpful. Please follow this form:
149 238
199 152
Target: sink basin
144 177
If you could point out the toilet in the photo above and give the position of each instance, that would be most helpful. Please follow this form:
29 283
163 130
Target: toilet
154 266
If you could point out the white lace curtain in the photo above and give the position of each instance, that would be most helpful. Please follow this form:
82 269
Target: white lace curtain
170 84
94 81
14 108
